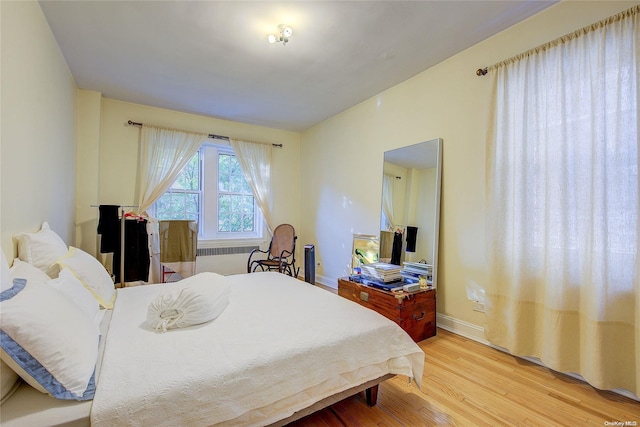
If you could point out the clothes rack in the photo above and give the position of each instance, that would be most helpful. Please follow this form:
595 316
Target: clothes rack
121 214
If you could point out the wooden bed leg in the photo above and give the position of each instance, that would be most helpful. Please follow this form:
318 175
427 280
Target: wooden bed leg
372 395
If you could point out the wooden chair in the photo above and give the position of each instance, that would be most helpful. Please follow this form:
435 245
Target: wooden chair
281 255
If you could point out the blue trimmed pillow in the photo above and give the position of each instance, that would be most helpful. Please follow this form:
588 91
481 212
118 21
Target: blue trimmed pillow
48 340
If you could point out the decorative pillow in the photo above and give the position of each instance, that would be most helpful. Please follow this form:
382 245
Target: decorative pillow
70 286
48 341
41 249
8 378
91 274
29 272
193 301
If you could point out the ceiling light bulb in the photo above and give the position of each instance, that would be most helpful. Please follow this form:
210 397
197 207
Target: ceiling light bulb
272 38
287 32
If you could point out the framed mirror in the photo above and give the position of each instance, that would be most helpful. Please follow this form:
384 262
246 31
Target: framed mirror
410 214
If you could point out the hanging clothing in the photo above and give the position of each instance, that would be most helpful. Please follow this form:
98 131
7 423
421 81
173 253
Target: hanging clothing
412 234
136 252
396 251
178 245
109 228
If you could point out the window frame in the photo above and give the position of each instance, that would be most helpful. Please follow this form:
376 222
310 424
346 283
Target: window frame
208 234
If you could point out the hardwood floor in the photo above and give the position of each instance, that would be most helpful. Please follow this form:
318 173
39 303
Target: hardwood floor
466 383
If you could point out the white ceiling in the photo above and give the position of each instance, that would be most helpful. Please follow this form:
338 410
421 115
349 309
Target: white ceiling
212 57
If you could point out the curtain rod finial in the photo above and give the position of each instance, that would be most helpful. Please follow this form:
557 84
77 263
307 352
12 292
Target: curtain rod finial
481 71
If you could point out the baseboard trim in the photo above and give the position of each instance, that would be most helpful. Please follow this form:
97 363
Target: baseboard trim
462 328
476 333
327 281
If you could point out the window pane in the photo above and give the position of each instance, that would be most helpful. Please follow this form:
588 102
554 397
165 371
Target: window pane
172 205
235 213
237 177
192 206
223 172
224 212
248 207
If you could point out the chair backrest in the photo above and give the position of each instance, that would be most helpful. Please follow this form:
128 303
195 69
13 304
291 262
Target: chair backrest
284 239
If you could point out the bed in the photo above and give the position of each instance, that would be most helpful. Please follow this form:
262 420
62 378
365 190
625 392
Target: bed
280 349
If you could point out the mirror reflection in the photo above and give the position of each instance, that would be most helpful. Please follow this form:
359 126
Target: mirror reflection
410 216
365 250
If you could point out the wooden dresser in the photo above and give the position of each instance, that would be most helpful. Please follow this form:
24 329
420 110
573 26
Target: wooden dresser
415 312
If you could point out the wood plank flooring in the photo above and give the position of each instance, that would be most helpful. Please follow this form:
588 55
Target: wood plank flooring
466 383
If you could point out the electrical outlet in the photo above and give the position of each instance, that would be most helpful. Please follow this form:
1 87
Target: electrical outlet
478 306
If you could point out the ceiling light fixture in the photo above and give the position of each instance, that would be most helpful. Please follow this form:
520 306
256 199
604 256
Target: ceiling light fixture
284 33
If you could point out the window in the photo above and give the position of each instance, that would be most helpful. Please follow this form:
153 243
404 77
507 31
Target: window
236 207
212 190
182 199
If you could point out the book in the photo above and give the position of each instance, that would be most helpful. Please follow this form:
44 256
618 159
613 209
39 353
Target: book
382 271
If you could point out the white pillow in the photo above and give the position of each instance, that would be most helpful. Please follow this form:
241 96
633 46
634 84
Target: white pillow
24 270
71 287
41 249
8 378
48 341
192 301
91 274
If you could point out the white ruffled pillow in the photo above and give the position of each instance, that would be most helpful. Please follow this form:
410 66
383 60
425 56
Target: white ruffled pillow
42 249
192 301
91 274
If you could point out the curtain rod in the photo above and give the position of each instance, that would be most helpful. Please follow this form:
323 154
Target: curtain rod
122 206
567 37
211 135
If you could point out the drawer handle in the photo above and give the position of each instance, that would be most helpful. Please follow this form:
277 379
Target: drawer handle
417 319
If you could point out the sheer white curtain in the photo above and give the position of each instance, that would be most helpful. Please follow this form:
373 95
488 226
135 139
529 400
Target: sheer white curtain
562 196
163 154
387 202
255 161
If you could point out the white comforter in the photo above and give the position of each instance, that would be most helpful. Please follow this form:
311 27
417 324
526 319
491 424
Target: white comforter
279 346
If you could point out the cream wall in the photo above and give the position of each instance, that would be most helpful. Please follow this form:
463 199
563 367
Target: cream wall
342 157
88 156
117 164
38 132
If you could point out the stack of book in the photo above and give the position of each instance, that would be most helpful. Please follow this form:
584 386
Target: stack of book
412 271
381 271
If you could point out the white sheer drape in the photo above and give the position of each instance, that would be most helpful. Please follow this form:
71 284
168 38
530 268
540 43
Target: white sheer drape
163 154
562 197
255 161
387 202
